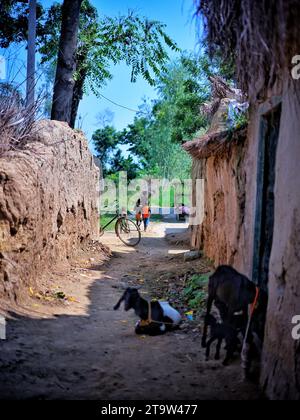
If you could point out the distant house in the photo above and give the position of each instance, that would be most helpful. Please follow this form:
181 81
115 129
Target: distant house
252 193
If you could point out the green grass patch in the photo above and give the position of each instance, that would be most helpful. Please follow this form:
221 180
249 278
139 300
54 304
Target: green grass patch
166 198
156 218
195 291
104 219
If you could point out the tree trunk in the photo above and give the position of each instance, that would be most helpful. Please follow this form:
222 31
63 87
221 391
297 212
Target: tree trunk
30 80
66 62
77 96
78 87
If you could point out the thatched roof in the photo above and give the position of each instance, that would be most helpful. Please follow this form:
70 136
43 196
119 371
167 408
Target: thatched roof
215 144
260 36
218 139
220 90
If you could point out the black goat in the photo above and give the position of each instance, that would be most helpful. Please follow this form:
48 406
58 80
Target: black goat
231 292
162 316
220 332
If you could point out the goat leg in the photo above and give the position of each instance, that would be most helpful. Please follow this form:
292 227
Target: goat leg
117 306
209 343
217 355
226 360
229 356
203 342
209 305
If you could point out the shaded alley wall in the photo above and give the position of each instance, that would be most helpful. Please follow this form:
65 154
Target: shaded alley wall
281 354
227 233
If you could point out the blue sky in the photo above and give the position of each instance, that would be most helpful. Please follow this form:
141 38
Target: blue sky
176 14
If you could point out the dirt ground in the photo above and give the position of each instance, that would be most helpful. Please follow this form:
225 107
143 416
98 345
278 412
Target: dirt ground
83 349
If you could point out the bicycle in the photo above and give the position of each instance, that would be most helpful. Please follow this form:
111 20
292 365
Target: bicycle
126 230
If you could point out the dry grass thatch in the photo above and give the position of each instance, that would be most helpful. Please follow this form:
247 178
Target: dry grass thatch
261 36
220 90
215 144
16 121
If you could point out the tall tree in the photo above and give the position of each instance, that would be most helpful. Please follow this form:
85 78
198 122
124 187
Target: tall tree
156 134
139 42
120 163
66 62
14 21
30 81
105 140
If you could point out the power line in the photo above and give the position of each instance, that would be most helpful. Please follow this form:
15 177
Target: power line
121 106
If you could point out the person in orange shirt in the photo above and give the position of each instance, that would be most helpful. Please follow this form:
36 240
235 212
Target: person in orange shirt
146 212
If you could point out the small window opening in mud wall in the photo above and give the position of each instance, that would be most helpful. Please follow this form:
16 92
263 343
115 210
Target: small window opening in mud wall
265 199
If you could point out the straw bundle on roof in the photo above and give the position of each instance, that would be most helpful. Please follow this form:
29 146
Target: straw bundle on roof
215 144
260 36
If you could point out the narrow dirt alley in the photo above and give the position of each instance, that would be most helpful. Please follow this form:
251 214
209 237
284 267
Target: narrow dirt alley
86 350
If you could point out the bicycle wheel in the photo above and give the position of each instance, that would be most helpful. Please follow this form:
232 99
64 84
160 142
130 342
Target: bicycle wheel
128 232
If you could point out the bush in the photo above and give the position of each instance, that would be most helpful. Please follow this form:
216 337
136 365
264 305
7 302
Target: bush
16 121
195 291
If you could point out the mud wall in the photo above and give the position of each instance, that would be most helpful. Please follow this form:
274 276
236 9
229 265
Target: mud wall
281 354
224 204
227 232
48 205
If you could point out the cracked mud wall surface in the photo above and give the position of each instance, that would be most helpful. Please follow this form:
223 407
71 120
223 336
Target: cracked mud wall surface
281 354
224 192
227 236
48 205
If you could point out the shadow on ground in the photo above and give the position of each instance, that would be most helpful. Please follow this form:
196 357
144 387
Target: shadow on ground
96 355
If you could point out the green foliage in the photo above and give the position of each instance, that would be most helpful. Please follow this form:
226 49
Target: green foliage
167 197
216 65
87 69
183 89
157 132
151 142
139 42
105 219
120 163
105 141
14 21
239 120
195 291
